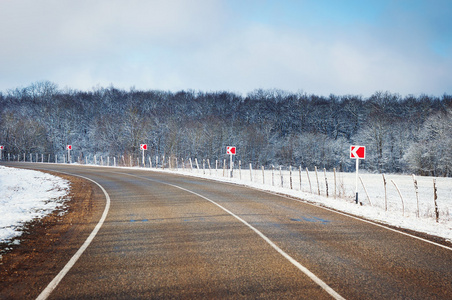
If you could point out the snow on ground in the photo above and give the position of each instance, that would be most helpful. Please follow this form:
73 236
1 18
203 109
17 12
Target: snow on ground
26 195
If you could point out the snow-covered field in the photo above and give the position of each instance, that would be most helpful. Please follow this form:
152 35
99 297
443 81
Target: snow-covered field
26 195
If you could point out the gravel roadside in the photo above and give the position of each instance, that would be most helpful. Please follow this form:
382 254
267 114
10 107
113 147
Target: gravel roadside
48 244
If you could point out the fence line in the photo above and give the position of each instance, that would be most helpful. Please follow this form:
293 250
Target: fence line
384 197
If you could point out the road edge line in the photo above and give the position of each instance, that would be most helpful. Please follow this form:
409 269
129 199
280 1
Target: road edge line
302 268
321 205
54 283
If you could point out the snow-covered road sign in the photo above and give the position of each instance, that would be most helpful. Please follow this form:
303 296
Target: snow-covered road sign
358 152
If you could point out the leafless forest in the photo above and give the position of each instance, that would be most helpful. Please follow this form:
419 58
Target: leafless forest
268 127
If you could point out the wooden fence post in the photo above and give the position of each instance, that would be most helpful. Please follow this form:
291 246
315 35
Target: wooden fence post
208 164
335 185
299 174
403 206
290 176
365 190
309 180
417 195
435 197
326 182
317 178
386 194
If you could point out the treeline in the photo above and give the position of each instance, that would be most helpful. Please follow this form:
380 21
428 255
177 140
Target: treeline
402 134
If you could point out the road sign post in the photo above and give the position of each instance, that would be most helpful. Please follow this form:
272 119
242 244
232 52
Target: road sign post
357 152
1 152
143 147
231 150
69 148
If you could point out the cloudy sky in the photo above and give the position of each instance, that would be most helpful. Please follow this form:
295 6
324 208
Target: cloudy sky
315 46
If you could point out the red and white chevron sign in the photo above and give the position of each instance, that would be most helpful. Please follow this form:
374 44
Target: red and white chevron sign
230 150
358 152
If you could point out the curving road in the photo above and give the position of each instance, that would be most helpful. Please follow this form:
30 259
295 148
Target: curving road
169 236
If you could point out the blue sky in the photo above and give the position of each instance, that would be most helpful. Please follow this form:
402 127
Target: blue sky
312 46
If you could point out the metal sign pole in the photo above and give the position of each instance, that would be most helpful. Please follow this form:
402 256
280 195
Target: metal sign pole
230 163
357 152
231 151
356 181
143 147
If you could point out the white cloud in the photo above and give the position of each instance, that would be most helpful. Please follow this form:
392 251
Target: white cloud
204 44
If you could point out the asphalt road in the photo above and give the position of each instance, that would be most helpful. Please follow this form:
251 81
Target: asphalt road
168 236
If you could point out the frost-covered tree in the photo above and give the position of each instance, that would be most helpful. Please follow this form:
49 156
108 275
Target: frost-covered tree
267 126
431 153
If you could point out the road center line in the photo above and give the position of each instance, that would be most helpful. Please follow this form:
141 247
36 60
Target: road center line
302 268
54 283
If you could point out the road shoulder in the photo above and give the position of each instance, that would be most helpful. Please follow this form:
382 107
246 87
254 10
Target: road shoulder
47 245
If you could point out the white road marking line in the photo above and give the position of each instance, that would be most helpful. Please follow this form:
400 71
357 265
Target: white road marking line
362 219
313 204
54 283
388 228
298 265
302 268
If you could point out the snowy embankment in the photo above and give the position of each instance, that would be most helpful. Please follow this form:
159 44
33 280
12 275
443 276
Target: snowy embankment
26 195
